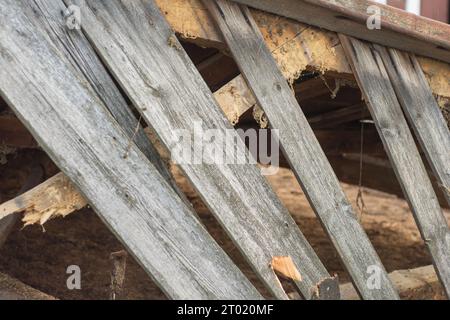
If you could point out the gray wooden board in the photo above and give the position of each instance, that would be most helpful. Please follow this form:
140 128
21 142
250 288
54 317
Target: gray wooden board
141 51
300 146
84 58
62 111
399 143
422 111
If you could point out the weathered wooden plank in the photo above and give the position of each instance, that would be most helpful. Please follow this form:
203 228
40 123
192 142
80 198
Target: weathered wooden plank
58 197
377 173
399 143
300 146
77 47
61 109
339 116
413 284
421 110
55 197
297 46
399 29
140 49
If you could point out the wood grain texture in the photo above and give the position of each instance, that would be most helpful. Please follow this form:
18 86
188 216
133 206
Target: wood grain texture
400 146
52 198
7 223
141 51
300 146
296 45
83 57
399 29
421 110
65 115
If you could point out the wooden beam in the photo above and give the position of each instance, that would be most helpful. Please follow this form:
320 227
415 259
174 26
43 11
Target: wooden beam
377 174
218 70
77 46
399 143
339 142
13 289
56 197
422 111
295 46
339 116
235 99
301 148
72 124
413 284
399 29
167 89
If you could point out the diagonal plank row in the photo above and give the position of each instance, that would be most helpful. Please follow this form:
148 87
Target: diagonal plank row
378 90
77 47
422 111
141 51
52 97
300 146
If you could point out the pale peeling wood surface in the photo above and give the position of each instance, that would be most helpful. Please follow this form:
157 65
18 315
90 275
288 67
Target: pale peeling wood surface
422 111
294 45
400 146
300 146
63 112
55 197
140 49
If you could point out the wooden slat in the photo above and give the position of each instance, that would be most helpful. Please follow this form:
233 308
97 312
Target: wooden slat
300 146
293 42
13 134
54 197
421 110
63 112
7 223
140 49
13 289
76 46
339 116
399 143
377 173
399 29
413 284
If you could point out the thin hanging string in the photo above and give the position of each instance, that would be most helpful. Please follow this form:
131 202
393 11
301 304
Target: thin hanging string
360 197
333 93
132 138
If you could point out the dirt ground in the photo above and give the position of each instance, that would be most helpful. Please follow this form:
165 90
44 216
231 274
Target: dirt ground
40 257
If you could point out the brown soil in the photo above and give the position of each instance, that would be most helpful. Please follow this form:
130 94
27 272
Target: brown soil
40 257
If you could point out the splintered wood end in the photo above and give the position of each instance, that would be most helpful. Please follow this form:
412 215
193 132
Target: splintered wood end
285 268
